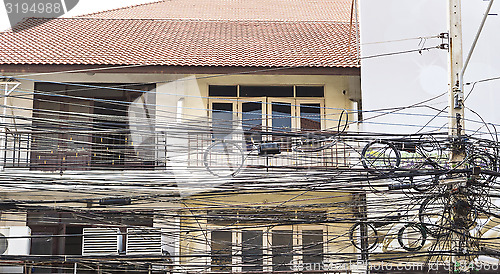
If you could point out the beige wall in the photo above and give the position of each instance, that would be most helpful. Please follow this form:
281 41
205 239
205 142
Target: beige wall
194 89
12 219
337 205
335 98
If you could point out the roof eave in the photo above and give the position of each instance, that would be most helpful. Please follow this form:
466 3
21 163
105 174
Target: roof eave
156 69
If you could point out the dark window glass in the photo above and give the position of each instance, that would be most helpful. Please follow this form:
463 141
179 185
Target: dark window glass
308 91
282 116
269 91
73 244
222 91
312 246
282 249
221 107
221 250
251 252
282 122
252 121
310 117
222 119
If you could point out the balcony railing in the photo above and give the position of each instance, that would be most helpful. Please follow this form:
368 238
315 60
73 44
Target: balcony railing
115 150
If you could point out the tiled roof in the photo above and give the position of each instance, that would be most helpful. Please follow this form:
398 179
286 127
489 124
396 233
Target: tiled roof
90 41
273 10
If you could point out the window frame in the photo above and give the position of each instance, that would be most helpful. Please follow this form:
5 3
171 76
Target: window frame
309 100
267 234
266 102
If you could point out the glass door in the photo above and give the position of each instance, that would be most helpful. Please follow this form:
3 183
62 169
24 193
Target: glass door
281 120
222 114
252 115
280 114
310 115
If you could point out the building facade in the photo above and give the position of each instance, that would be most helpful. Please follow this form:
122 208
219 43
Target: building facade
185 122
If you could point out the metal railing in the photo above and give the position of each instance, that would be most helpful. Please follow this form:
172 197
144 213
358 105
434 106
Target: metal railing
114 150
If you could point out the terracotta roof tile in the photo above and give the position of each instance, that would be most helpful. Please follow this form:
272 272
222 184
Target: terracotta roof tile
179 43
274 10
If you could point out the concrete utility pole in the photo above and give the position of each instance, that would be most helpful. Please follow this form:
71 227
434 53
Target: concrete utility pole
456 98
456 95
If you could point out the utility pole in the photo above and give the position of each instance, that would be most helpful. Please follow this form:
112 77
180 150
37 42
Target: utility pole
456 95
456 99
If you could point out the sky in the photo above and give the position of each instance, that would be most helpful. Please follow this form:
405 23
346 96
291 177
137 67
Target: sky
389 82
405 79
83 7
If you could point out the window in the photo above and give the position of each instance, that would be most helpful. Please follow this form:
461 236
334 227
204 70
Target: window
268 91
251 120
78 127
310 117
252 252
282 249
309 91
221 250
223 91
267 108
222 118
265 91
312 246
278 249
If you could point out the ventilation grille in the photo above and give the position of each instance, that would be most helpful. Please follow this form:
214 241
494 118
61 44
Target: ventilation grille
100 241
144 241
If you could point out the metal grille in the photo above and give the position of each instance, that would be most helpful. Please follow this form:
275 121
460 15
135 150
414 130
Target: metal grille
144 241
100 241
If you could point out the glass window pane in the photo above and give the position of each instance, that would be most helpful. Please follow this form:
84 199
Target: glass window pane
308 91
269 91
221 250
223 91
222 119
282 116
252 254
312 246
252 121
282 250
310 117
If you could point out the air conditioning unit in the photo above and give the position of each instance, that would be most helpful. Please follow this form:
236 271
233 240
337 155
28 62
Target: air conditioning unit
144 241
14 240
101 241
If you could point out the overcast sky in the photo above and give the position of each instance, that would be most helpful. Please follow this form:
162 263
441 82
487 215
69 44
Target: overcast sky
83 7
405 79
